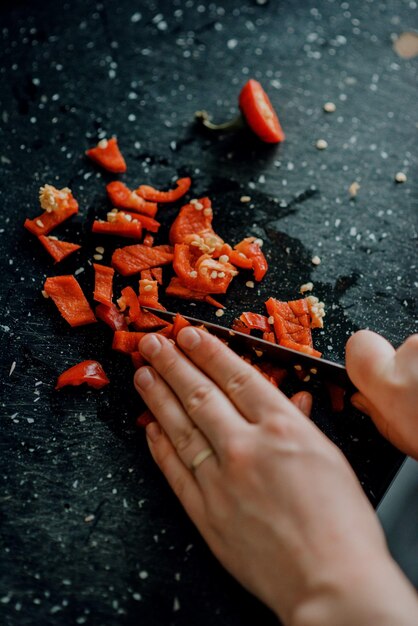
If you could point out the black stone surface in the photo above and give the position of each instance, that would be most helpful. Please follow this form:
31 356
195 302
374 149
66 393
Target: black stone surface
77 71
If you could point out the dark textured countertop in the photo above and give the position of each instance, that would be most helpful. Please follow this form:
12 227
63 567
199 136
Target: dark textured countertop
90 533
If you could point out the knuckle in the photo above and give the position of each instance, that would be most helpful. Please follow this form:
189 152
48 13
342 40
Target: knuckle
237 382
185 438
170 364
237 453
197 398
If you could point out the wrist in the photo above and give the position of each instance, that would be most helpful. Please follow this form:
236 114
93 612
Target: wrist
366 593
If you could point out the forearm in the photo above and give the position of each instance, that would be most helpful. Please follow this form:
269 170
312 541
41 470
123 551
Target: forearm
372 594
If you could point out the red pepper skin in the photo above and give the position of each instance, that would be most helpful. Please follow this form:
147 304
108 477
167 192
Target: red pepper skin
254 321
145 418
70 300
108 156
129 300
178 325
111 316
153 195
292 324
103 283
126 341
90 372
123 198
59 250
236 258
240 327
131 230
46 222
134 259
191 222
184 263
258 111
269 337
147 222
148 240
157 274
177 290
253 251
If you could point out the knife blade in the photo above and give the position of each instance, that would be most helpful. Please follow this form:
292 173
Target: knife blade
286 357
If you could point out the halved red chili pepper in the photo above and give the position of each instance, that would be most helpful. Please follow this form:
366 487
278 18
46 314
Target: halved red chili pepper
252 250
119 226
177 290
58 205
123 198
126 341
133 259
70 300
111 316
154 195
108 156
254 321
204 274
148 240
59 250
90 372
103 283
258 111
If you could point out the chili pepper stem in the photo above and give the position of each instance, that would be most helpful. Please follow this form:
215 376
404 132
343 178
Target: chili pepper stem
204 118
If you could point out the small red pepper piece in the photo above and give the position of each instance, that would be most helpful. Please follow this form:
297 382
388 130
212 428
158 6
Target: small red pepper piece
179 324
70 300
145 418
123 198
129 300
254 321
154 195
90 372
157 274
149 223
337 396
177 290
236 258
58 205
107 155
259 113
118 226
292 324
134 259
250 248
59 250
148 240
137 360
111 316
201 274
126 341
103 283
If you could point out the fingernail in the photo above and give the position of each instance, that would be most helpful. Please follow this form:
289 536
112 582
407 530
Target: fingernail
153 431
188 338
305 403
150 346
144 378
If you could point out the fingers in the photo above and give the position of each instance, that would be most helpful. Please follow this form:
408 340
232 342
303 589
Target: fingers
180 479
303 401
370 363
186 439
203 402
253 396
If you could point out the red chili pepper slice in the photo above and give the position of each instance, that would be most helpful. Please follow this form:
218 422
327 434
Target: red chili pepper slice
129 300
134 259
252 251
179 324
111 316
240 327
103 283
107 155
193 218
58 205
204 274
236 258
120 227
149 223
258 111
123 198
59 250
90 372
157 274
148 240
70 300
148 288
177 290
126 341
292 324
254 321
154 195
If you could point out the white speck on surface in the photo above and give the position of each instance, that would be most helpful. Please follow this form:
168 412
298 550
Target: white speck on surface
136 17
316 260
137 596
143 574
79 271
98 257
132 117
176 604
232 44
353 189
250 284
321 144
100 249
89 518
219 312
12 368
245 199
329 107
400 177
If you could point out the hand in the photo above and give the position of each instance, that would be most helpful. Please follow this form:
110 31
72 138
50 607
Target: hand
275 500
387 380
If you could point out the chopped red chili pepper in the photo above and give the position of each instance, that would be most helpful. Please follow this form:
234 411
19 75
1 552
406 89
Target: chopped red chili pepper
103 283
111 316
292 324
203 274
337 396
193 226
138 361
250 248
133 259
258 111
154 195
236 258
254 321
70 300
269 337
126 341
107 155
240 327
148 288
59 250
146 275
148 240
120 225
157 274
129 300
177 290
149 223
58 205
179 324
90 372
145 418
123 198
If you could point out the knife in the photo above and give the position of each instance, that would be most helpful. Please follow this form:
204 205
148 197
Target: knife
286 357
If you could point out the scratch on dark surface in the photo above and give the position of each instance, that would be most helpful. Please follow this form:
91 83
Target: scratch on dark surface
303 196
97 516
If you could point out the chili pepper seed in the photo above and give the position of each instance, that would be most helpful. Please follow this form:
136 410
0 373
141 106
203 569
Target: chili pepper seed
400 177
321 144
